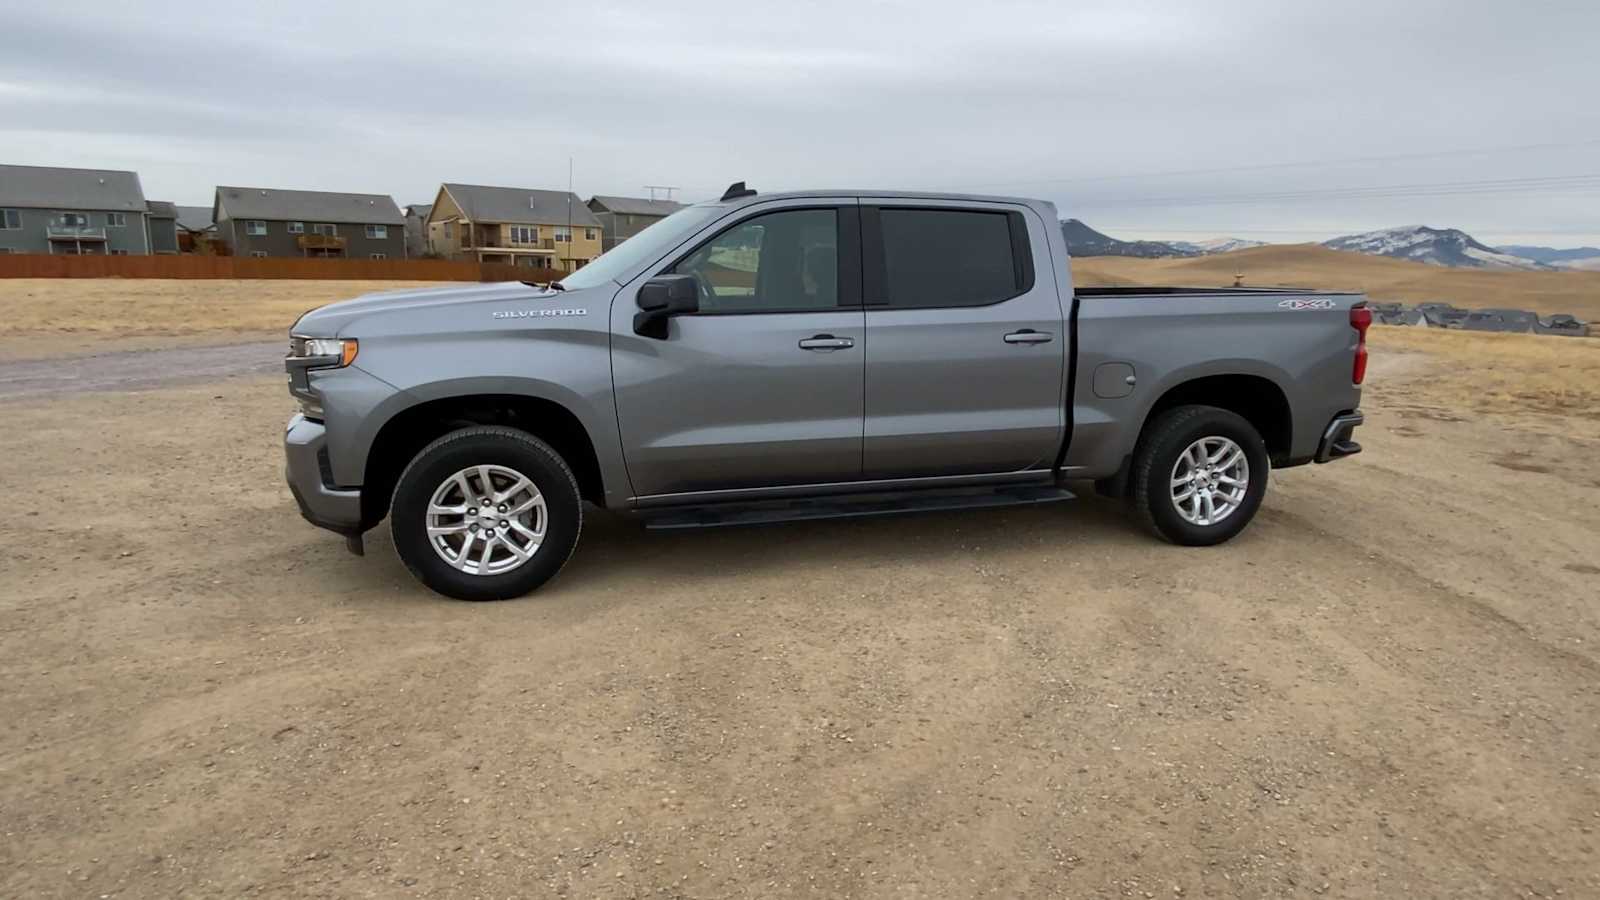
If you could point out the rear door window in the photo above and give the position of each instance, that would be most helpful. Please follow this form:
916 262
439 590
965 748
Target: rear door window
950 257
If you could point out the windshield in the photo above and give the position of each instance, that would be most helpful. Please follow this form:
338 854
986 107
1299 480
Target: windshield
643 247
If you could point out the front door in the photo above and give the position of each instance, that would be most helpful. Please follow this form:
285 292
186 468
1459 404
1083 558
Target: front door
965 342
763 386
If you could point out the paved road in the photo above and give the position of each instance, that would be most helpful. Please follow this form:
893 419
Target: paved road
137 369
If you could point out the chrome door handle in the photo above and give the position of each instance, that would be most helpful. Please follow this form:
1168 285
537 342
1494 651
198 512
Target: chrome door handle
826 342
1029 336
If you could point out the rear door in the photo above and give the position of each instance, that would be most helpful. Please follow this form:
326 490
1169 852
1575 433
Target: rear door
763 386
965 341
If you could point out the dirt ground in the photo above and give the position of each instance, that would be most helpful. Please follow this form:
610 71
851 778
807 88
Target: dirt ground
1389 686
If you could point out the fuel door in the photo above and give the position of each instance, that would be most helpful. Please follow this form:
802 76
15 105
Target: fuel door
1113 380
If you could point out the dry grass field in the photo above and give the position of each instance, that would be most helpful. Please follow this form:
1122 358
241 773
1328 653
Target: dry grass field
1310 266
41 317
1510 374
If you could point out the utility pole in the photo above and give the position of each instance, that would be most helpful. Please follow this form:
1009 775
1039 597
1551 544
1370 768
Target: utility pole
570 259
652 188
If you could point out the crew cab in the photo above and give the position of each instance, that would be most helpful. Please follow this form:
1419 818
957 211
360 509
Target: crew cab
762 358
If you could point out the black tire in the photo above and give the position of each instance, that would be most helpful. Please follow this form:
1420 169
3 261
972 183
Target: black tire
485 445
1166 437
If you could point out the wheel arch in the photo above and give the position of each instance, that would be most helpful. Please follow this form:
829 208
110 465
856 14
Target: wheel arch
409 430
1260 400
1256 398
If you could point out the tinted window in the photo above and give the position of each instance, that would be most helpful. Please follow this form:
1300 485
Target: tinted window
781 260
943 257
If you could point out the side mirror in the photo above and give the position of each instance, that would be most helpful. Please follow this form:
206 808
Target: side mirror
661 298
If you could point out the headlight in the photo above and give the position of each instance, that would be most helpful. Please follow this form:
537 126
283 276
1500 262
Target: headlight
323 352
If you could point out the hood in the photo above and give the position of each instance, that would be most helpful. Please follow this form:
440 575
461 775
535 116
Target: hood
335 319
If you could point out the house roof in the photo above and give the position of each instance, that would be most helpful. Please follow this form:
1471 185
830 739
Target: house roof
636 206
37 187
308 206
161 209
420 210
480 203
194 218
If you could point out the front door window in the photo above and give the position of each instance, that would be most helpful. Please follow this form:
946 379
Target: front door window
782 261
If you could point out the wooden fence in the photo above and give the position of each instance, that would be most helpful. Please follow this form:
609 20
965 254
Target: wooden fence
186 266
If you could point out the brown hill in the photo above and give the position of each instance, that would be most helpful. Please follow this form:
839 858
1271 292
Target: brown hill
1311 266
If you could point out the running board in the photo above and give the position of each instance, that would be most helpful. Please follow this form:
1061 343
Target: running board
849 506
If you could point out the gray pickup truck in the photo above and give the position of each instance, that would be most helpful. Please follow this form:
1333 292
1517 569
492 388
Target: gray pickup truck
767 358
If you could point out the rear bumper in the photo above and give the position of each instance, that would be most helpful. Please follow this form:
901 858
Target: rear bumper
1337 441
320 503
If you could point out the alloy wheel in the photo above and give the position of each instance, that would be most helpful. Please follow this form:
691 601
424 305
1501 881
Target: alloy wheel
487 520
1210 480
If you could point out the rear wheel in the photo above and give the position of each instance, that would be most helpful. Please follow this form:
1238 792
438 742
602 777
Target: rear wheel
1199 475
486 513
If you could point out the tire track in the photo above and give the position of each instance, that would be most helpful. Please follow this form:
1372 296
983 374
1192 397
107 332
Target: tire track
136 370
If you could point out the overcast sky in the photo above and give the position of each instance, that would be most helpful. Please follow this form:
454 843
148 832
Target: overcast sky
1273 119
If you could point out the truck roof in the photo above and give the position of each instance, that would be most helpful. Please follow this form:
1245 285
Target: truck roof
755 197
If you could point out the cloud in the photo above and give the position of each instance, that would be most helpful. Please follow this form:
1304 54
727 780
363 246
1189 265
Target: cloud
1048 99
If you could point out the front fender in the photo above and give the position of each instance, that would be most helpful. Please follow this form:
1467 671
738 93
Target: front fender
568 367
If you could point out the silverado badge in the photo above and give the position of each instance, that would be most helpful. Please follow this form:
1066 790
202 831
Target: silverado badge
537 313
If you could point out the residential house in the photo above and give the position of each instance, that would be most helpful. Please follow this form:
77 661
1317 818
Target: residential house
195 229
1509 320
1441 315
1387 313
1563 324
72 211
161 224
417 229
523 226
279 223
623 217
195 220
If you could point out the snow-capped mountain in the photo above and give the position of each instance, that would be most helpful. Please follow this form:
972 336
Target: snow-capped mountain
1570 258
1085 241
1434 246
1218 245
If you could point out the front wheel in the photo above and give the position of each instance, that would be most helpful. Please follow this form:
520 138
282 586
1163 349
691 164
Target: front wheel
486 513
1199 475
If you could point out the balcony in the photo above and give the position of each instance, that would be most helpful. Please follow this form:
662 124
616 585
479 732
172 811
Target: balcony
74 233
321 242
495 243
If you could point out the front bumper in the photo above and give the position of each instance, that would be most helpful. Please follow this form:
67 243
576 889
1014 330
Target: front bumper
1336 438
309 477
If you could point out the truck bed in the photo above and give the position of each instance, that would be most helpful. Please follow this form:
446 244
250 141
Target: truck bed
1286 349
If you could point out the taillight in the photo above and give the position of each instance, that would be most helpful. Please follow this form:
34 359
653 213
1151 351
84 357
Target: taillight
1360 320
